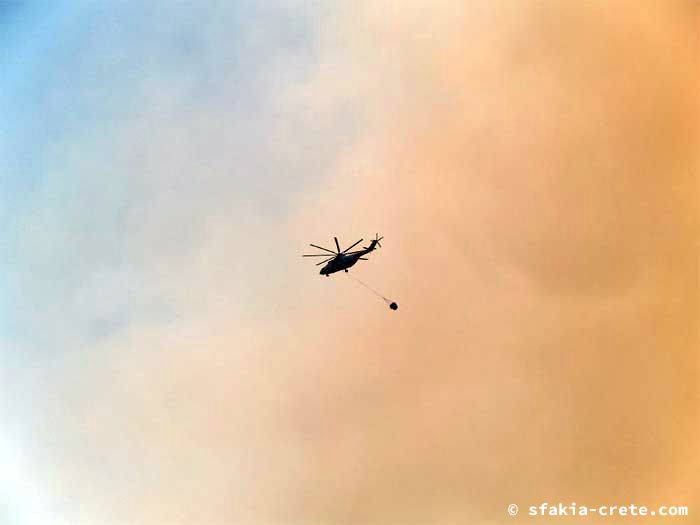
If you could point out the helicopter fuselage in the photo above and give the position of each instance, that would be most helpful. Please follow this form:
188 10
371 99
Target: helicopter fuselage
344 261
340 262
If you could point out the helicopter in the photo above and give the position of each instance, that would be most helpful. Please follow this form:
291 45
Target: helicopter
336 261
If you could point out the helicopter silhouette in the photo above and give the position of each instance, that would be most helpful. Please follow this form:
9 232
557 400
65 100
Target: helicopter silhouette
338 260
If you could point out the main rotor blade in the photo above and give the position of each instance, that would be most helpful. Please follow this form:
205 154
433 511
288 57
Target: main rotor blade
329 259
336 243
317 255
363 259
351 253
352 246
324 249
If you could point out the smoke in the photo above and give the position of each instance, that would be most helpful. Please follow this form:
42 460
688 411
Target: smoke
536 168
532 167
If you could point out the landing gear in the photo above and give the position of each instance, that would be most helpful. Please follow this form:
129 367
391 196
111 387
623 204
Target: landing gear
346 271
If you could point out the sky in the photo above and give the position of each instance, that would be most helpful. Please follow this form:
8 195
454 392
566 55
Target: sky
166 355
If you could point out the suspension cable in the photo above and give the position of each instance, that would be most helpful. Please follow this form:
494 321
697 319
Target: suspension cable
391 304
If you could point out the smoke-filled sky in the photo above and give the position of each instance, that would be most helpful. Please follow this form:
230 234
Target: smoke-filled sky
167 357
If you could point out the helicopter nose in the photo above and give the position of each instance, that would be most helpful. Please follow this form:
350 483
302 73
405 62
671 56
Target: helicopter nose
323 271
